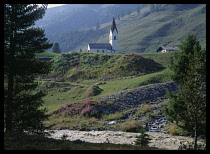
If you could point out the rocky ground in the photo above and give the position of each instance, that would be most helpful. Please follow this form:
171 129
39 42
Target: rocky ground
159 140
137 104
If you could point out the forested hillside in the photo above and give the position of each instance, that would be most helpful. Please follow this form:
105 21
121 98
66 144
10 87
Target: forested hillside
153 26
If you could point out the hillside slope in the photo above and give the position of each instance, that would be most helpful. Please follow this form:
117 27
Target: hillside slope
101 76
79 16
143 32
83 65
147 31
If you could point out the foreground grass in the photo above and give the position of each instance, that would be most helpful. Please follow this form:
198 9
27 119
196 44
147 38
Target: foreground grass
14 141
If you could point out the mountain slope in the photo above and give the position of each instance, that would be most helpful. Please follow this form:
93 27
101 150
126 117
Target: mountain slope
143 32
79 16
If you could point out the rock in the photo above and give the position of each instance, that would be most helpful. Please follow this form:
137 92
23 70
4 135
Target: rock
159 140
112 122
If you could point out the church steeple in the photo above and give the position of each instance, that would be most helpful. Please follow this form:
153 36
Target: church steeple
113 36
113 27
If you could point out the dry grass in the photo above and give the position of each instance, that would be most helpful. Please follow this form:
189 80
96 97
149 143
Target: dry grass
130 126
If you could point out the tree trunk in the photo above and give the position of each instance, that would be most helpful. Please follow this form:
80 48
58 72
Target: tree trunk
9 107
11 64
196 134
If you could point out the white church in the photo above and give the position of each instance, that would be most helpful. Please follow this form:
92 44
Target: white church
111 47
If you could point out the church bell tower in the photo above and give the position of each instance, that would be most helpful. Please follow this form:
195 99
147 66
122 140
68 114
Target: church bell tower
113 36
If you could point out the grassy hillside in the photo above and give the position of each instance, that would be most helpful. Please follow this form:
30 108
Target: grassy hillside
144 32
60 93
147 31
70 90
77 66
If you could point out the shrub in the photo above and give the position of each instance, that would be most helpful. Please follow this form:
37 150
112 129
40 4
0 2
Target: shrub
83 127
143 139
173 129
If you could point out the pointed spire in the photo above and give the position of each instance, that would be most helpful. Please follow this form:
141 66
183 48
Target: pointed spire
113 26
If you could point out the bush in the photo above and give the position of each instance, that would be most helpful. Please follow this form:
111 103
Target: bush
175 130
83 127
142 139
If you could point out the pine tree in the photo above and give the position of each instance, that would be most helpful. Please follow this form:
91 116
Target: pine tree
143 139
21 103
187 108
56 48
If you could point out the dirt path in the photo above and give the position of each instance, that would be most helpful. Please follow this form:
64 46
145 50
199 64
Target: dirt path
159 140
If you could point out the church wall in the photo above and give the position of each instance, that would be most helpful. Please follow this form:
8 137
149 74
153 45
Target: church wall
113 41
101 51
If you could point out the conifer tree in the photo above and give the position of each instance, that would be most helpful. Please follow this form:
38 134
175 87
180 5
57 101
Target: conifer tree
187 108
56 48
143 139
21 103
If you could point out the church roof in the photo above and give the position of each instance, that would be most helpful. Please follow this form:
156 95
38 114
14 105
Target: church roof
113 26
100 45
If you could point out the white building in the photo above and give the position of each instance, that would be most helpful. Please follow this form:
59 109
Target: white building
167 49
111 47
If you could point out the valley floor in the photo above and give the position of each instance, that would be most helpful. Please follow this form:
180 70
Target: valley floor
159 140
